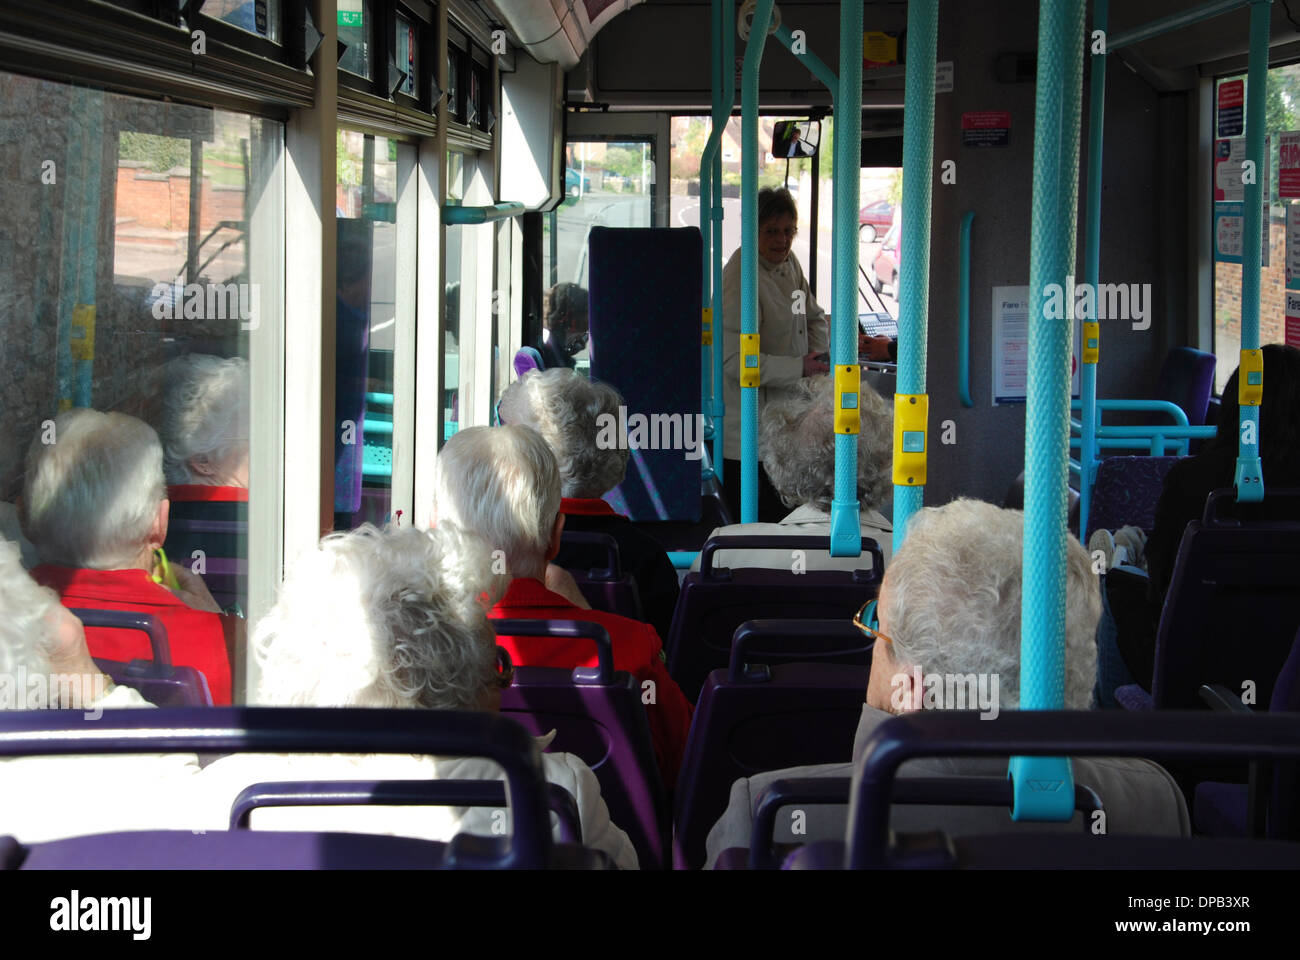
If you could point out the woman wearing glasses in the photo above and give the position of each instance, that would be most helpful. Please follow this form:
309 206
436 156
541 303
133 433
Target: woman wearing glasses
391 618
794 337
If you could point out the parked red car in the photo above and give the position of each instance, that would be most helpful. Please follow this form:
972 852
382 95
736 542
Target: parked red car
885 268
875 219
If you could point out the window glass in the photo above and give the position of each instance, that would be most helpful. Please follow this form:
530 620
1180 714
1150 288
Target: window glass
355 25
455 59
406 55
1282 113
369 169
135 242
460 297
880 193
474 113
261 17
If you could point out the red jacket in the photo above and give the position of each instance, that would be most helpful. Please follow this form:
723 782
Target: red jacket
197 638
637 650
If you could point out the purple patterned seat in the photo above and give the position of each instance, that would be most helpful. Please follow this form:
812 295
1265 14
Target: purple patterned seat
1126 491
1187 379
598 716
753 718
715 601
295 730
527 359
159 681
1168 734
593 560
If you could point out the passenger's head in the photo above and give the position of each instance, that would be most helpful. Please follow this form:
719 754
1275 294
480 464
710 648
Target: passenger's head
950 603
204 427
566 409
381 618
94 494
797 444
778 223
37 633
503 485
564 314
1279 413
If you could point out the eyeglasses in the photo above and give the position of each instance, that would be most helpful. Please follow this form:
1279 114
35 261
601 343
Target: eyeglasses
505 674
867 621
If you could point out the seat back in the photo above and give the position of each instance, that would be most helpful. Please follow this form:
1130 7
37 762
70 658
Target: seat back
1176 735
715 601
598 716
220 531
400 793
159 681
1230 615
1126 491
1187 379
527 359
593 560
1284 804
751 721
645 341
290 730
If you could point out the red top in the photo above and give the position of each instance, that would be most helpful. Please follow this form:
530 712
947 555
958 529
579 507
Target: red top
637 650
587 508
205 493
197 638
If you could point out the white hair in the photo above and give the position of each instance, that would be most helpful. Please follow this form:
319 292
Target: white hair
565 408
797 444
950 600
24 632
93 490
502 484
380 618
205 414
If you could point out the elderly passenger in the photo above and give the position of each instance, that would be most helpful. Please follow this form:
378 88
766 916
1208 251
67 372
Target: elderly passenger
95 508
390 618
44 664
797 446
567 409
950 605
503 484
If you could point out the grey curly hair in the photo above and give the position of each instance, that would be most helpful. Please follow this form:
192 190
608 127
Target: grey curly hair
24 633
205 414
797 444
381 618
950 600
565 408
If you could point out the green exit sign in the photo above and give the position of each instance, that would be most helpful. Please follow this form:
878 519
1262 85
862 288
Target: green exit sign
350 18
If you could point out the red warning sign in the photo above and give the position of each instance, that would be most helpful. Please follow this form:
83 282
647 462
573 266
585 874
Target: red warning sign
986 128
1232 108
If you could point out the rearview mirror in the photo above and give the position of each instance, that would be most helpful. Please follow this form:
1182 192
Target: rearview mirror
792 139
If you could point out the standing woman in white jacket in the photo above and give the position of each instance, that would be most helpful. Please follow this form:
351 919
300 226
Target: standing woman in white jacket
389 618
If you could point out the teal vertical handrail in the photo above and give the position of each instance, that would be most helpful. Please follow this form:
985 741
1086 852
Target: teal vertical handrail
749 253
1092 260
1249 476
963 309
846 527
1043 787
914 269
724 53
706 234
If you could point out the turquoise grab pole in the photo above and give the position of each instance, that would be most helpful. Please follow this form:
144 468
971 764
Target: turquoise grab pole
963 309
749 256
1249 477
810 60
846 528
1183 18
1092 261
914 268
706 234
711 167
1043 787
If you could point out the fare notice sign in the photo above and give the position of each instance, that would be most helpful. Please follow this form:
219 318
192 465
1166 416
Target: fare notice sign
986 128
1288 166
1232 108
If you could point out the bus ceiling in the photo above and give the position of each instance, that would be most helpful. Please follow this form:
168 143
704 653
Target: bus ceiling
557 31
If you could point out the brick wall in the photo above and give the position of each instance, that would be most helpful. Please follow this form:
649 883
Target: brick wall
163 200
1272 294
